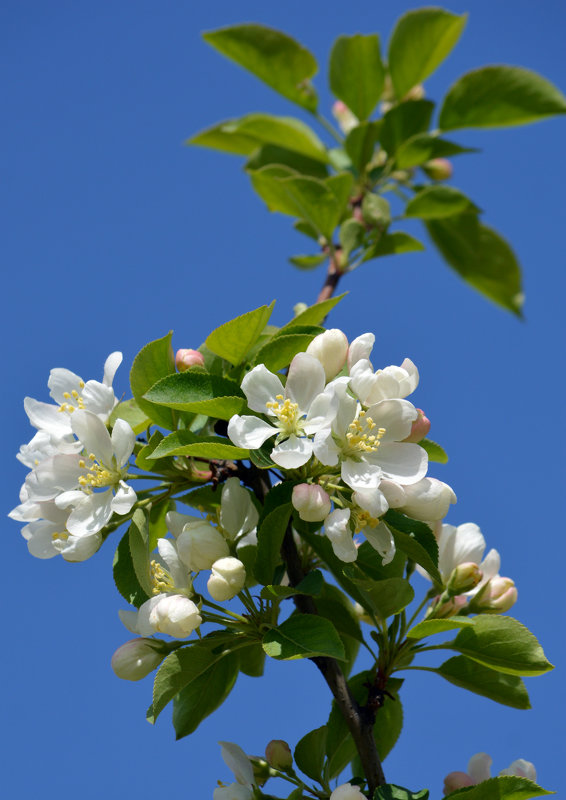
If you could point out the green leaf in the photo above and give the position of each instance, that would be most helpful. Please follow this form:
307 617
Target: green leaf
153 362
341 186
138 533
303 636
252 660
371 563
504 787
431 626
309 753
392 792
404 121
423 147
144 459
261 457
280 351
157 522
435 451
421 40
269 154
314 315
185 443
391 244
356 73
311 584
132 413
496 96
376 210
503 644
233 339
272 56
308 262
351 235
509 690
205 497
271 530
360 143
196 390
336 606
481 257
125 576
416 540
388 596
436 202
226 137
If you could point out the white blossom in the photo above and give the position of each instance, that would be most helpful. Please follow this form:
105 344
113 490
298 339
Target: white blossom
331 349
228 577
383 384
311 501
136 659
347 792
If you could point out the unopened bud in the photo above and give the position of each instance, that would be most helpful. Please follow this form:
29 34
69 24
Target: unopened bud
416 93
185 359
175 615
450 608
496 597
464 577
429 500
347 792
439 169
278 754
262 770
298 308
227 579
345 118
419 428
362 614
200 545
456 780
311 501
136 659
331 349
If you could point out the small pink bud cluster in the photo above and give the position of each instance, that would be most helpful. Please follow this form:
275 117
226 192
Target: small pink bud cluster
185 359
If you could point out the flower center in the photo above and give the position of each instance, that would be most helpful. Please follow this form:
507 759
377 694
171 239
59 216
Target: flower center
363 519
97 475
59 537
74 400
160 578
360 437
286 412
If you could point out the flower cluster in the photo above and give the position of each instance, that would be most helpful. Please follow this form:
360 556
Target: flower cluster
348 430
78 469
479 769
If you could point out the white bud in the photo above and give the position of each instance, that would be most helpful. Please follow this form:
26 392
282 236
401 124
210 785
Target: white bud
331 349
298 308
200 545
347 792
311 501
428 499
175 615
227 579
136 659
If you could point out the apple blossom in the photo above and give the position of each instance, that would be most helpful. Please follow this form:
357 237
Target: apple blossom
479 770
173 614
311 501
383 384
347 792
136 658
331 349
200 545
496 596
234 791
238 515
464 577
228 577
522 769
419 428
185 359
235 758
340 525
462 545
429 499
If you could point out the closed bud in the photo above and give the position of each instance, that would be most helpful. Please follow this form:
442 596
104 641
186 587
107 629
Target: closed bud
456 780
262 770
185 359
136 659
200 545
496 597
345 118
416 93
347 792
331 349
298 308
278 754
311 501
227 579
428 500
419 428
450 608
464 577
439 169
175 615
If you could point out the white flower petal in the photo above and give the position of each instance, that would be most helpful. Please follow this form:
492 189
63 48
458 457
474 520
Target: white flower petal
92 432
250 432
168 551
124 499
238 515
99 399
47 417
63 381
459 546
110 366
305 381
371 500
39 537
70 498
261 387
381 539
176 522
360 348
394 493
428 500
412 379
401 462
321 412
52 476
129 618
91 514
359 475
123 440
479 767
79 548
491 565
292 453
325 448
396 416
337 529
236 760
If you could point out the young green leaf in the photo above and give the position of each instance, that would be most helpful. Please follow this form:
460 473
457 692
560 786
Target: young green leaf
138 534
303 636
308 262
509 690
235 338
392 792
360 143
422 39
434 450
132 413
356 72
185 443
496 96
504 787
390 244
436 202
196 390
125 576
272 56
280 351
431 626
388 596
271 530
314 315
404 121
416 540
153 362
309 753
269 155
424 146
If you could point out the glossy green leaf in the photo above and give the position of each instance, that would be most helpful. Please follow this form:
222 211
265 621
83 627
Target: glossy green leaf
125 576
235 338
271 530
424 146
360 143
404 121
309 753
341 186
504 787
153 362
509 690
269 155
252 660
132 413
315 314
436 202
416 540
303 636
198 391
496 96
138 533
391 244
388 596
308 262
272 56
421 40
185 443
261 457
280 351
356 72
225 136
371 563
503 644
311 584
144 458
333 604
481 257
435 451
431 626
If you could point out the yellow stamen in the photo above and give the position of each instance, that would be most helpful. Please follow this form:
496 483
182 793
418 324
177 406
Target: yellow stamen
285 410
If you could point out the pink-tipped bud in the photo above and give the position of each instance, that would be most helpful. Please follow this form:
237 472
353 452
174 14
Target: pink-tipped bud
464 578
345 118
497 596
419 428
136 659
278 754
449 608
331 349
439 169
185 359
311 501
456 780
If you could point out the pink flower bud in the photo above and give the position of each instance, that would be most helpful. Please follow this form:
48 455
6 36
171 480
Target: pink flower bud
136 659
278 754
331 349
419 428
496 597
464 577
456 780
311 501
450 608
345 118
185 359
439 169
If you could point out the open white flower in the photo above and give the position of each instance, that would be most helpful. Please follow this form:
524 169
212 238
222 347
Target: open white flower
74 480
342 523
296 411
464 544
71 393
383 384
47 535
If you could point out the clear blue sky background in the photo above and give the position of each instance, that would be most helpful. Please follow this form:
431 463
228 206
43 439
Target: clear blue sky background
115 233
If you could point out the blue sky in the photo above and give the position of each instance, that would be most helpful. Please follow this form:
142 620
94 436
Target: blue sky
115 233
